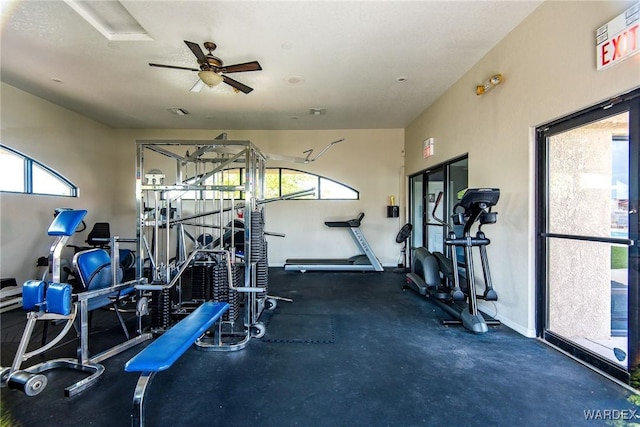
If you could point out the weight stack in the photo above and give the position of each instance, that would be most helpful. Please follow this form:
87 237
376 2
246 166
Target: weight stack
200 283
160 309
262 272
221 292
219 286
234 296
259 252
257 236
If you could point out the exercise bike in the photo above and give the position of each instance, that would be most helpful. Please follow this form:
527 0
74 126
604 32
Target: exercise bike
437 277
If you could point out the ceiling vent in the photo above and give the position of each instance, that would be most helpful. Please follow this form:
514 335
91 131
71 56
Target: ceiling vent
317 111
178 111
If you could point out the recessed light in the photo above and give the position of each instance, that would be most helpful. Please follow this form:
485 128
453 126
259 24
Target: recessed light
294 80
401 79
54 79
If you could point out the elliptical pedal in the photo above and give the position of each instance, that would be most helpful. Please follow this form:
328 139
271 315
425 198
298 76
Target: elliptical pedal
440 293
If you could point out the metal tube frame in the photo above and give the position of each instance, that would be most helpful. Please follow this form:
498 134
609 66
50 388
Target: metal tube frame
222 154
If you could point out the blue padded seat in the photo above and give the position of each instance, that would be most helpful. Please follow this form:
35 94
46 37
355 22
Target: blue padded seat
94 269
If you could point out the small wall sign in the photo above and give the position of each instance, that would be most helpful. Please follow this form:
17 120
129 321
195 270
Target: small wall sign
427 150
619 38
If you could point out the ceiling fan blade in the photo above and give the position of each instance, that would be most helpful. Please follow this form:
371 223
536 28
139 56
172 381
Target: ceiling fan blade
174 67
197 87
238 68
236 84
197 51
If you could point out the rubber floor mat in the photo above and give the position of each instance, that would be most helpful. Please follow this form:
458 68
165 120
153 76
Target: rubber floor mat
300 328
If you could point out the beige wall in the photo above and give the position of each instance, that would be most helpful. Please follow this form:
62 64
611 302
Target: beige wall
549 68
78 148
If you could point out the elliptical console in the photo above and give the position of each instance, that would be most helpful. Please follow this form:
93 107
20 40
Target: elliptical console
482 197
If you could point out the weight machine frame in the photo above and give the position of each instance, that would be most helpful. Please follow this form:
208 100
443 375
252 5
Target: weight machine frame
204 196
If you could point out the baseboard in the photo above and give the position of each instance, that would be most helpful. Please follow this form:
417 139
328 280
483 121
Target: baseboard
529 333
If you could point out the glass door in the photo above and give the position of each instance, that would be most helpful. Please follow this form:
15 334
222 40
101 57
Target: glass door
451 178
588 233
416 211
435 230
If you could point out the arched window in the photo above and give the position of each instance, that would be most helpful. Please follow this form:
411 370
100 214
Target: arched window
282 181
22 174
279 182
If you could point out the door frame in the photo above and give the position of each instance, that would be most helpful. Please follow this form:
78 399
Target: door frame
628 102
445 200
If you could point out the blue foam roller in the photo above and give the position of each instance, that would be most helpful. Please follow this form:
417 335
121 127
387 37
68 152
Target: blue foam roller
59 298
32 294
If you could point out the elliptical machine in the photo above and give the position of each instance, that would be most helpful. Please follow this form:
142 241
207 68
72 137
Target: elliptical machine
436 276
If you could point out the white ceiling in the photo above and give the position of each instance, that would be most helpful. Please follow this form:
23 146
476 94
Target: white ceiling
348 54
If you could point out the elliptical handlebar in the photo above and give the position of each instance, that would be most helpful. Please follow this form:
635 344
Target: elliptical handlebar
435 208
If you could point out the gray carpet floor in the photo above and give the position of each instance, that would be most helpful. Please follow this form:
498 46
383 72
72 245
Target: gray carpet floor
352 349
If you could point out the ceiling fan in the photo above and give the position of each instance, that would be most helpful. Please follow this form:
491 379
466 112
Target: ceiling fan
211 69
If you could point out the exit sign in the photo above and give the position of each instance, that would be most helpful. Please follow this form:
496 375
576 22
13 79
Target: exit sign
619 38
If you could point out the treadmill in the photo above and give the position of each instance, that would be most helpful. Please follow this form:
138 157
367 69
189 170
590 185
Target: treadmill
366 261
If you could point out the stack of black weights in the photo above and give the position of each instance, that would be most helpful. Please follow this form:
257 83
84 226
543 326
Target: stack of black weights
259 252
200 283
160 309
220 291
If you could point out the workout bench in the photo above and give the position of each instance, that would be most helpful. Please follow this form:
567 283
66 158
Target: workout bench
165 350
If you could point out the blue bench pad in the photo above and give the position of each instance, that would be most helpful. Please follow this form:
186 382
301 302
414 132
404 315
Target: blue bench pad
66 222
166 349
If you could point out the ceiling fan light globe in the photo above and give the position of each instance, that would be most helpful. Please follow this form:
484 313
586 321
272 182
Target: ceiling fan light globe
210 78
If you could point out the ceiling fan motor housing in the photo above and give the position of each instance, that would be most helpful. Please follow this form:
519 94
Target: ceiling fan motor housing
212 62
